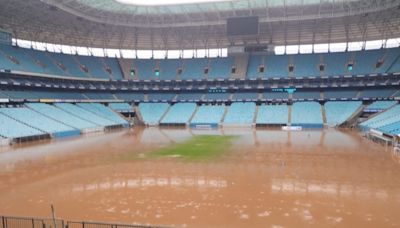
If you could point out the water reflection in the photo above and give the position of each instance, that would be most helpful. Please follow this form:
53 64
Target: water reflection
152 182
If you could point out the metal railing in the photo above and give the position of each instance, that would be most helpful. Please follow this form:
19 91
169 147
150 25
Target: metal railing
25 222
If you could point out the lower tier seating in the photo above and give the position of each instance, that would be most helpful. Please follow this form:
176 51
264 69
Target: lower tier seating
121 107
272 114
152 112
240 113
11 128
337 112
179 113
307 114
387 121
58 114
209 114
38 121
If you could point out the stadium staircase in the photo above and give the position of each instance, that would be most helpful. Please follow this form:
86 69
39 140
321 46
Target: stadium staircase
352 121
255 115
138 120
289 122
165 113
323 111
225 112
241 64
193 114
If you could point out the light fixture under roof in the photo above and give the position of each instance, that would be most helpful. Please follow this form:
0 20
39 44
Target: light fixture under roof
167 2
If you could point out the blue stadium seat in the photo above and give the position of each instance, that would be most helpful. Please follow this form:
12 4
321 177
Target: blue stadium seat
240 113
179 113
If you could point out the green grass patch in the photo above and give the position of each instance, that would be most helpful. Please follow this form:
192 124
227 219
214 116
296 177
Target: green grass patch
201 147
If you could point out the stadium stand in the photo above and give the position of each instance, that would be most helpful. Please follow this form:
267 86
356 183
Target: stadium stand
271 96
272 114
84 114
11 128
194 68
337 112
35 94
274 66
378 93
38 121
105 112
342 94
152 112
220 67
99 96
190 96
68 119
310 95
380 105
179 113
217 96
161 96
121 107
240 113
208 115
169 68
307 114
244 96
306 65
387 121
130 96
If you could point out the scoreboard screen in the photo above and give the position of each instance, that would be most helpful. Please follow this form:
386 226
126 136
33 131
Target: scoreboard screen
242 26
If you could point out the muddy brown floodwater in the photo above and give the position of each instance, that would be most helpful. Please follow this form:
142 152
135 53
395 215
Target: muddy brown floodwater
270 178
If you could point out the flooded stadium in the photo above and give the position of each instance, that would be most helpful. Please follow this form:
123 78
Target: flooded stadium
268 178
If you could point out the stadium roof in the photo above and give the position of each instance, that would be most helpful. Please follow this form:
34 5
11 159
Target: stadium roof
113 24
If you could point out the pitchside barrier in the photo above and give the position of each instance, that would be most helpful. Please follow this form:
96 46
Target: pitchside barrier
25 222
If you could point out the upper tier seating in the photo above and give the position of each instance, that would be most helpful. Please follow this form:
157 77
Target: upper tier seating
272 114
161 96
61 115
364 62
217 96
18 94
220 67
307 114
275 96
85 114
240 113
99 96
209 114
179 113
121 107
241 96
194 68
58 64
337 112
342 94
190 96
152 112
94 65
36 120
307 95
10 128
302 65
130 96
378 93
104 112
